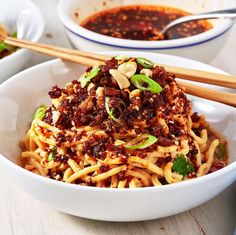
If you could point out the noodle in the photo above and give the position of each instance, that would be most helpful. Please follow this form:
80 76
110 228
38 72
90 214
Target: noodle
137 131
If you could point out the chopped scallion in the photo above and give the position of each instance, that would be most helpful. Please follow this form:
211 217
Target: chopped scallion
111 111
52 154
3 46
88 76
40 112
141 142
148 64
139 79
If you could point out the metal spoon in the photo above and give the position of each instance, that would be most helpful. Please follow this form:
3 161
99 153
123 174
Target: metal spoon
228 13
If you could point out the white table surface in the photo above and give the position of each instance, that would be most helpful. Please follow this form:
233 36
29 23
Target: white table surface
21 214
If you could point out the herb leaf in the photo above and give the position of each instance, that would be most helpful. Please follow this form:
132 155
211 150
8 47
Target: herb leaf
182 165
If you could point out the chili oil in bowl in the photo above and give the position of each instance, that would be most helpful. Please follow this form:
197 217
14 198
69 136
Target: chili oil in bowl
133 26
142 22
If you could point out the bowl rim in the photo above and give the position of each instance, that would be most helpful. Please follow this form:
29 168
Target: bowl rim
68 22
35 38
184 184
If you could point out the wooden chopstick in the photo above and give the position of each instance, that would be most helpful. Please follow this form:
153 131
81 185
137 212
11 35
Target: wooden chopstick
219 96
203 76
60 53
92 59
61 49
80 57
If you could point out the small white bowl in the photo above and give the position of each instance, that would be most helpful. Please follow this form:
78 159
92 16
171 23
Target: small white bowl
31 28
21 94
203 47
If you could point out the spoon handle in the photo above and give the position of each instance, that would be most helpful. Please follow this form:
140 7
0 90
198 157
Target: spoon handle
225 11
207 15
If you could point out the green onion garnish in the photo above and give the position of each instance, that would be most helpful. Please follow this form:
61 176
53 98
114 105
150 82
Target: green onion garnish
111 111
9 48
52 154
148 64
182 165
88 76
139 79
141 142
3 46
40 112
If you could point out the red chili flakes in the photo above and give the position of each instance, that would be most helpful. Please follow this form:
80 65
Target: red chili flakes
195 117
121 175
111 91
165 142
110 64
104 168
55 92
48 116
61 158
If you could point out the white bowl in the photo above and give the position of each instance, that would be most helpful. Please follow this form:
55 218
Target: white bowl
203 47
21 94
31 29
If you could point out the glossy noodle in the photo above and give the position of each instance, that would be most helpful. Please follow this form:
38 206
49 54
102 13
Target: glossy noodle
125 124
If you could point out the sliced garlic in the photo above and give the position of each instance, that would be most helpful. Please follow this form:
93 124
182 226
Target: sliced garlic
41 152
100 92
122 57
55 116
121 79
90 86
55 102
146 72
128 69
119 142
61 150
134 93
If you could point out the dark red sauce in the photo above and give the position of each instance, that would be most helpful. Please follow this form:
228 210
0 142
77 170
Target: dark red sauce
140 22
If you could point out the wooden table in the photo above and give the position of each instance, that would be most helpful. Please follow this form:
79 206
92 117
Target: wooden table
21 214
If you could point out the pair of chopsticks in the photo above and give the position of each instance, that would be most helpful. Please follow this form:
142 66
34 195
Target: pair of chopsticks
93 59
